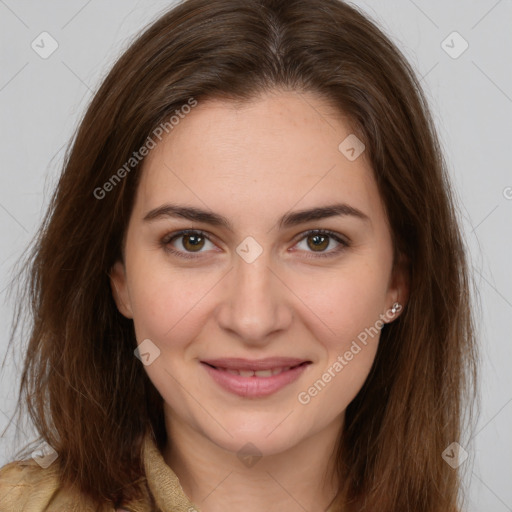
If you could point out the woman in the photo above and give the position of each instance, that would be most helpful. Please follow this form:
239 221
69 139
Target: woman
250 291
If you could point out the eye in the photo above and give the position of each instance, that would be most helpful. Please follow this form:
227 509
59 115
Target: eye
194 240
319 239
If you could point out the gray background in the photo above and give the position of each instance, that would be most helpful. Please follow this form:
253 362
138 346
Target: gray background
41 101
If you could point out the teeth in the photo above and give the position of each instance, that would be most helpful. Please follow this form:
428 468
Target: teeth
258 373
263 373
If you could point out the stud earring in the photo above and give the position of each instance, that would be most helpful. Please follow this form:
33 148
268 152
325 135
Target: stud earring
396 307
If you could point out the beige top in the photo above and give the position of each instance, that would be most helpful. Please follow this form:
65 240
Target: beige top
27 487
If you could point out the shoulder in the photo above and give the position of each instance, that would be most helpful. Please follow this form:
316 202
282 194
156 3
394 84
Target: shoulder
24 485
27 487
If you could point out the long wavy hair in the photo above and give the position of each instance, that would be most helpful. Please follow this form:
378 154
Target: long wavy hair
84 390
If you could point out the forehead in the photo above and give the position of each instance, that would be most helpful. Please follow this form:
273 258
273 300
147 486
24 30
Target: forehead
276 151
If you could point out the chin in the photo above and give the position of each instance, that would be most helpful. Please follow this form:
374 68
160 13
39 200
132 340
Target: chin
268 437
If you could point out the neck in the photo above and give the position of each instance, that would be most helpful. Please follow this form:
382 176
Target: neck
300 478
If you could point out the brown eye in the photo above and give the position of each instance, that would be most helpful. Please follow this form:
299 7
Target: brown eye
191 246
192 242
320 242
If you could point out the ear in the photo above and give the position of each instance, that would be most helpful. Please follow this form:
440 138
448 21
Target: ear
120 289
399 285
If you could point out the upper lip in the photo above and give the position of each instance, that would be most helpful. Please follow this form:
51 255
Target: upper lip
255 364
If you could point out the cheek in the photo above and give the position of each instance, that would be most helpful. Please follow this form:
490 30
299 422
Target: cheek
165 301
344 311
347 327
343 303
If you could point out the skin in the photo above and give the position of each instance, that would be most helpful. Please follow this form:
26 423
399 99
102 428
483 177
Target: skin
253 163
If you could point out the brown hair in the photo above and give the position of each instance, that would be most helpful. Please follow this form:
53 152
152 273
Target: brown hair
87 394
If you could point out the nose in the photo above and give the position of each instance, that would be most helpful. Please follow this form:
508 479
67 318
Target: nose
256 303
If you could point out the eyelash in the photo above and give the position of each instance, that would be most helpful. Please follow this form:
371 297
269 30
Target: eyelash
171 237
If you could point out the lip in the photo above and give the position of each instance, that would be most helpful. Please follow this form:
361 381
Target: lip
237 363
254 386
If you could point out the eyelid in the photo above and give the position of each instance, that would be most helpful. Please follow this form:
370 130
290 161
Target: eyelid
343 241
333 234
167 239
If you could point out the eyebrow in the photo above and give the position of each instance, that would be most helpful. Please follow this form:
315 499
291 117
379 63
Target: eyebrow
288 220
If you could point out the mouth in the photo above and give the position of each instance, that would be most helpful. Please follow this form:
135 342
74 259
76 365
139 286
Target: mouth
269 372
255 379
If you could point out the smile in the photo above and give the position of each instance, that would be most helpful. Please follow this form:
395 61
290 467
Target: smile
255 383
257 373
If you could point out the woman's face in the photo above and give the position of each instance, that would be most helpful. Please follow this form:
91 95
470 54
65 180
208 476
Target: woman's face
250 283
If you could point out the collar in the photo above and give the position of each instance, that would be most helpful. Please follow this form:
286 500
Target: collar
163 484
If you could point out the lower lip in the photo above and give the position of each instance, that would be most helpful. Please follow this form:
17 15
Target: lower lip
254 387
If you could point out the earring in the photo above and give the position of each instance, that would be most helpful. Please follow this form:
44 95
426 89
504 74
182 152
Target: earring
396 307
